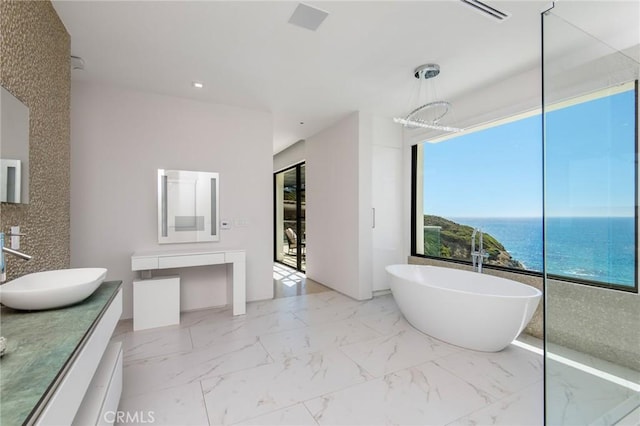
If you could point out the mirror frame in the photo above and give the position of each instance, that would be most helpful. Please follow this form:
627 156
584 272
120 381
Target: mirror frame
188 206
14 149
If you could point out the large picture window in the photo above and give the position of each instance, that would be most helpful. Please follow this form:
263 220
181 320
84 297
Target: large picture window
492 178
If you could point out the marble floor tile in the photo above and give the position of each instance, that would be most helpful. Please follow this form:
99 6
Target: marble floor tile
347 310
631 419
272 306
153 374
386 300
333 298
320 301
324 358
181 405
253 392
498 373
397 351
287 304
523 408
124 326
579 397
422 395
158 341
557 353
617 414
192 318
387 323
297 415
242 327
312 339
291 286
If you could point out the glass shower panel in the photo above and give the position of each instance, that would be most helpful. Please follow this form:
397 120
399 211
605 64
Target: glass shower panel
591 64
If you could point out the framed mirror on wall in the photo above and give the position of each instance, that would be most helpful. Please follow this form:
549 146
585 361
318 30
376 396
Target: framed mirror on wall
187 206
14 149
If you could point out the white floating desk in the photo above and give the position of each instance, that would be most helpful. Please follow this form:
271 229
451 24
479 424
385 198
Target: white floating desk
165 259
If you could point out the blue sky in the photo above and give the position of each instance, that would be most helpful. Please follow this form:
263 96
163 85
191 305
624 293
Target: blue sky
497 172
490 173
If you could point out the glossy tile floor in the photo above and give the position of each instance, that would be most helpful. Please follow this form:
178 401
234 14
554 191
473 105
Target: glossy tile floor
321 359
584 390
288 282
632 419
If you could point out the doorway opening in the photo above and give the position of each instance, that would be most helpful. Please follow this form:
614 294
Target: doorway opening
289 217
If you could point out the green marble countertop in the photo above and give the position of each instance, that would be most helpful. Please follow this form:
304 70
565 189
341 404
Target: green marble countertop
39 345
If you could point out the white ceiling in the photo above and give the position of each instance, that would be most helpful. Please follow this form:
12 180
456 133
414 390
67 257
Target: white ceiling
361 58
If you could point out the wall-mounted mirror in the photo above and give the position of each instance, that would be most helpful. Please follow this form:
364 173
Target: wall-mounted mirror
187 206
14 149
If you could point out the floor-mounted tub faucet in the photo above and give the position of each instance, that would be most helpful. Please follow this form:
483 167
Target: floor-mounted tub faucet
477 256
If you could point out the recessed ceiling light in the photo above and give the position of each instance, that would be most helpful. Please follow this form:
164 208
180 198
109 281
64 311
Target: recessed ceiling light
197 84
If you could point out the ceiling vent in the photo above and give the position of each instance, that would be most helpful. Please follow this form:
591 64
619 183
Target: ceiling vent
308 17
486 10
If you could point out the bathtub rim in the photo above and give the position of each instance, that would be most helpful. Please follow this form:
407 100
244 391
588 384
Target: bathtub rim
537 293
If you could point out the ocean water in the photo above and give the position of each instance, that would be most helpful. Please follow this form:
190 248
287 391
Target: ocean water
591 248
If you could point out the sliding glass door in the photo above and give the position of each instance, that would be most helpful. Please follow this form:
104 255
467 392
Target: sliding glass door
289 192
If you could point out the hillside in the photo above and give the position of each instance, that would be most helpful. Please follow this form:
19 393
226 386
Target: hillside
455 242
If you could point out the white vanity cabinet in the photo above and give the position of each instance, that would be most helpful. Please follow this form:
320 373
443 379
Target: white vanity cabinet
147 261
88 392
60 366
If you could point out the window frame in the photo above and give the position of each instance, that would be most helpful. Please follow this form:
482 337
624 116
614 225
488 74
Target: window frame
298 169
543 274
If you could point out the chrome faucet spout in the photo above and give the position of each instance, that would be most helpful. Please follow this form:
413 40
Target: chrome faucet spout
16 253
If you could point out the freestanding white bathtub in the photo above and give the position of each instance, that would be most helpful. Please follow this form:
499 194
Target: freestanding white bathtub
468 309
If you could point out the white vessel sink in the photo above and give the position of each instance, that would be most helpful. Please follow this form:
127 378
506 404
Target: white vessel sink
51 289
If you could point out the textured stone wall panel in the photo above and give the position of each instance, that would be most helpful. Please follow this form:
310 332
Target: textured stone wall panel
34 67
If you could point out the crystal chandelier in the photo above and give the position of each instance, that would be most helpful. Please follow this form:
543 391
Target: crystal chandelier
427 115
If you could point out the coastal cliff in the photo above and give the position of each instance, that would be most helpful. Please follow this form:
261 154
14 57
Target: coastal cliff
455 242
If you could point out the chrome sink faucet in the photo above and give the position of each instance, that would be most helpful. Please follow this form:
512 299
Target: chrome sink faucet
3 264
477 256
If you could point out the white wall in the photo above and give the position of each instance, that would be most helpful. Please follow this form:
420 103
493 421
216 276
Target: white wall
353 167
119 138
290 156
337 252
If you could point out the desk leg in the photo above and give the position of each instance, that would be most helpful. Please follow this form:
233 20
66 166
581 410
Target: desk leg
239 287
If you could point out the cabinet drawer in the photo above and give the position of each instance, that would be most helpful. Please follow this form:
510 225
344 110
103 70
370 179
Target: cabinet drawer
101 400
144 263
190 260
